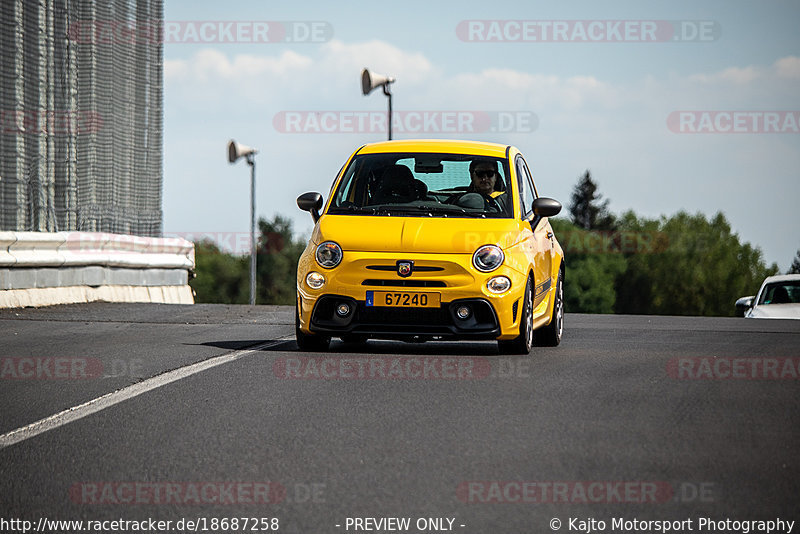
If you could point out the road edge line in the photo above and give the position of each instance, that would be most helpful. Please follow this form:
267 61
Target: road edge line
128 392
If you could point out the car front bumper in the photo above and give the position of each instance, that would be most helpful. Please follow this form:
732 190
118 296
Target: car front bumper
452 276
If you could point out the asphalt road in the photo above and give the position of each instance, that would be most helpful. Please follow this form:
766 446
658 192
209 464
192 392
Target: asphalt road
639 418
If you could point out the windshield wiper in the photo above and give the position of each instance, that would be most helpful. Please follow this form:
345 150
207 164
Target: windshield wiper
352 208
444 210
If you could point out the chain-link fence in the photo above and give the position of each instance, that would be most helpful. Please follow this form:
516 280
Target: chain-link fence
80 116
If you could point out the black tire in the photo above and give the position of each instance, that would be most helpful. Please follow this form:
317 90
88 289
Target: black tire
550 335
523 343
309 342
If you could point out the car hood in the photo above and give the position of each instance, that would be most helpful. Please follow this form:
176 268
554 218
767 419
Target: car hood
415 234
775 311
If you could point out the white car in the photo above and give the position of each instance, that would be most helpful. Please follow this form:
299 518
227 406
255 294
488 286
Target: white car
778 298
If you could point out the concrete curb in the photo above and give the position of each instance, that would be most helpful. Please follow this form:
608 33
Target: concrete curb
50 296
48 268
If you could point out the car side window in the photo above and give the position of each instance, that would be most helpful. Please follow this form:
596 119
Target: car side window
526 191
530 177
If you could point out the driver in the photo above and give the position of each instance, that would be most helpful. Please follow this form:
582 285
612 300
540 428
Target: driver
485 181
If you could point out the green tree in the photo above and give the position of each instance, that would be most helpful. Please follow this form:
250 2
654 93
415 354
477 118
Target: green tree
586 209
591 281
278 253
592 268
795 268
225 278
701 267
219 277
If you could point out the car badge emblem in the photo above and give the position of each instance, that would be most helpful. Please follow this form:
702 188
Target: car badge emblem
404 268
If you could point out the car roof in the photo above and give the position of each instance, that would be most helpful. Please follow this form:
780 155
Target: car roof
781 278
445 146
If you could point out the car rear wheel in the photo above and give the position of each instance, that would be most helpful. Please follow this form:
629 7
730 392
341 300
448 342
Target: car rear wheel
550 335
523 343
309 342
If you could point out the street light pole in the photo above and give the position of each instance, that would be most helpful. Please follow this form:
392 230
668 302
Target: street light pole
236 151
252 162
389 94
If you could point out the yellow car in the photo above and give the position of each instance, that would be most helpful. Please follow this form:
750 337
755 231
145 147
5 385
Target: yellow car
431 239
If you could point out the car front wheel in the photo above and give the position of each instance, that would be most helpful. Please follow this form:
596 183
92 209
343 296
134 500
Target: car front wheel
523 343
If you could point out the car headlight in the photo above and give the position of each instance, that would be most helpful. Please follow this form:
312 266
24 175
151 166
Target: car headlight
488 258
329 254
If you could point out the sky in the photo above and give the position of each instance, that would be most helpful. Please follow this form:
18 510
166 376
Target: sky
679 105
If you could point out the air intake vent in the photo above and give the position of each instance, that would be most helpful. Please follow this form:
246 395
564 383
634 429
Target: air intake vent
404 283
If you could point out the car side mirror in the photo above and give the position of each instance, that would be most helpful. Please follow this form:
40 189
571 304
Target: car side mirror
310 202
744 304
544 207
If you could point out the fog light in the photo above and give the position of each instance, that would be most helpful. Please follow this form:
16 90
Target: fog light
498 284
463 312
315 280
343 309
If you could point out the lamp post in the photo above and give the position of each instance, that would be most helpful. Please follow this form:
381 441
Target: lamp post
236 151
371 80
389 94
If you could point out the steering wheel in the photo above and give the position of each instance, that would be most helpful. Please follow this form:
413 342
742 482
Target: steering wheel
493 204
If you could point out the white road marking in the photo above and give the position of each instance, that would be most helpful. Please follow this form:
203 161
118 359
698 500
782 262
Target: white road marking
110 399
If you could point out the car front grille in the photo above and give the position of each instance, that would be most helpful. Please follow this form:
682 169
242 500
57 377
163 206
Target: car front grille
417 268
403 283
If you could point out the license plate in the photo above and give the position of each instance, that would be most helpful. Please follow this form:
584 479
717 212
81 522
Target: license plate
403 299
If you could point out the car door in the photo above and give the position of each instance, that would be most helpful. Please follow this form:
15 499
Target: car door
538 244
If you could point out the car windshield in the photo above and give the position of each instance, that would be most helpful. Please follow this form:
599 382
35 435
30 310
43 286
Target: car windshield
781 293
424 185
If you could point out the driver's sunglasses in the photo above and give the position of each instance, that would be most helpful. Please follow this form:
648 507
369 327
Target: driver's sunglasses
485 173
